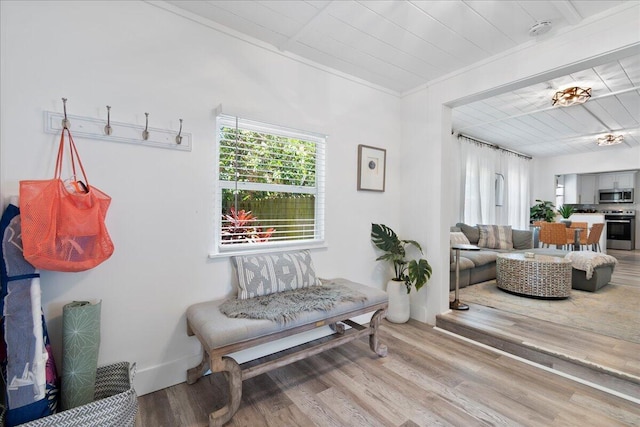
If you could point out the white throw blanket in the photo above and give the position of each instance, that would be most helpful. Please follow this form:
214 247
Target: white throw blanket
587 261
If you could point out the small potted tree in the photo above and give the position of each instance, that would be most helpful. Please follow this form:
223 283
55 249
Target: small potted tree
407 273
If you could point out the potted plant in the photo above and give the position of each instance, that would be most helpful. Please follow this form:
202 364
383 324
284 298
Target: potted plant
542 211
566 211
407 273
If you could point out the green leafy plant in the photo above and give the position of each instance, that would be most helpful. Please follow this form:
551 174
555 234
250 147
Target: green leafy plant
542 211
419 271
565 211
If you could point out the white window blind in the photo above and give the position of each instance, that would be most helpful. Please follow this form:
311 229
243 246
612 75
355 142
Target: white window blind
269 186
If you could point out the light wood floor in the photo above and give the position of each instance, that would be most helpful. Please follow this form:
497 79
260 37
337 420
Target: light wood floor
627 272
611 362
428 378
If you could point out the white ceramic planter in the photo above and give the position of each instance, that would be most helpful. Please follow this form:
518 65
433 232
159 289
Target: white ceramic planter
399 302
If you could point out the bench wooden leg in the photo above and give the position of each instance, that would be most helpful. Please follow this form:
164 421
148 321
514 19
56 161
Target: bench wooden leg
194 374
337 327
375 345
233 373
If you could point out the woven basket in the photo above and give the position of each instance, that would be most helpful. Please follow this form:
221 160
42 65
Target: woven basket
115 404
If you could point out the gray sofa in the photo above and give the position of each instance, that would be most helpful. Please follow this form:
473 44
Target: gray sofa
480 266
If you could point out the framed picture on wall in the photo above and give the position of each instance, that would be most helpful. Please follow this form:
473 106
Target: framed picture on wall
371 168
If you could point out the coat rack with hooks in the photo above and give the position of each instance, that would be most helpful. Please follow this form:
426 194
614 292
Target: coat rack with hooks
108 130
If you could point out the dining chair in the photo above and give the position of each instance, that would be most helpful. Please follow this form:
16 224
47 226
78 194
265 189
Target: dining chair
553 233
594 237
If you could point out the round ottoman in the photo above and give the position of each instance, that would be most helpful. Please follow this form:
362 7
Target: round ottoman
540 276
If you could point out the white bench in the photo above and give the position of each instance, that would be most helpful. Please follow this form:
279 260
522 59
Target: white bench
221 335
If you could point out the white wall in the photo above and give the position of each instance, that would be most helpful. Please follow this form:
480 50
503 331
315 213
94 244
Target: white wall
139 58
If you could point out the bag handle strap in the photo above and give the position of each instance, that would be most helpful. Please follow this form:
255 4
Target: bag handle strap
73 153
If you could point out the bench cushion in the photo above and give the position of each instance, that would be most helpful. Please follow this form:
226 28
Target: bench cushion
269 273
218 330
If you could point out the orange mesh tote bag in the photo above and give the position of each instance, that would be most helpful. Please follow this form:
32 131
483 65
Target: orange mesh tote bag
63 224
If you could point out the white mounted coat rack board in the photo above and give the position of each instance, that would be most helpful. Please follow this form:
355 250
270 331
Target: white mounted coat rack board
104 130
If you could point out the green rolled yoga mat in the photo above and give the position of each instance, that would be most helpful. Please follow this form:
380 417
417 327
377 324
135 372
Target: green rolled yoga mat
80 345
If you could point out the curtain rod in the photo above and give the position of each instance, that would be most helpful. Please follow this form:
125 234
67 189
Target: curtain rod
494 146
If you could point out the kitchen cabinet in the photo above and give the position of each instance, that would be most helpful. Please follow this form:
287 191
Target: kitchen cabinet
587 189
571 189
608 181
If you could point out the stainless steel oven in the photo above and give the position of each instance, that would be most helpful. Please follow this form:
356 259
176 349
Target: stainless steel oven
621 233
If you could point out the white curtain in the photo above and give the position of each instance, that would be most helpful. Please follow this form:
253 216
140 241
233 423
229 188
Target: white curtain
482 163
517 172
479 183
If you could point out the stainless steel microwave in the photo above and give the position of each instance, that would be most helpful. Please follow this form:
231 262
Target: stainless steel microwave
618 195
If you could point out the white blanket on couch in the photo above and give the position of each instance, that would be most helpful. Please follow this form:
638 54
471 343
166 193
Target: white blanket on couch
587 261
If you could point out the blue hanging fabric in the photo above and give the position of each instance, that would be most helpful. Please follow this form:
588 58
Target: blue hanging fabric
28 370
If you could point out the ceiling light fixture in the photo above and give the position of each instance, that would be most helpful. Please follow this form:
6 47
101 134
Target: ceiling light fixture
571 96
610 139
539 28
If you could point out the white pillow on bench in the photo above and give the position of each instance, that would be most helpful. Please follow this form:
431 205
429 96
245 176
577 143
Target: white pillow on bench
270 273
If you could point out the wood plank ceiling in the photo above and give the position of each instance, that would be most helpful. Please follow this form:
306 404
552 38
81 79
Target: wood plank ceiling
400 45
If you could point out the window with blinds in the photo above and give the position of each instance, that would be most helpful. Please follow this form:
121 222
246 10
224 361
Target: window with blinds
270 186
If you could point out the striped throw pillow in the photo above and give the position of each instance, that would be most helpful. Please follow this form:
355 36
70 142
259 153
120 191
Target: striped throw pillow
495 236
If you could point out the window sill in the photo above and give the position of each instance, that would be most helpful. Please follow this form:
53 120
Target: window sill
270 249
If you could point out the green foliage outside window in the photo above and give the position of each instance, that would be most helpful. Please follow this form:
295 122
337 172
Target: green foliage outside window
265 158
247 156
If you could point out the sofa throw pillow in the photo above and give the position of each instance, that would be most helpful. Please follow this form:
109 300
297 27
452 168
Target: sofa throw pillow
458 238
495 236
471 231
522 239
270 273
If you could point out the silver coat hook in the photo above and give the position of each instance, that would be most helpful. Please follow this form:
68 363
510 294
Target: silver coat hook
179 136
66 124
145 132
108 130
